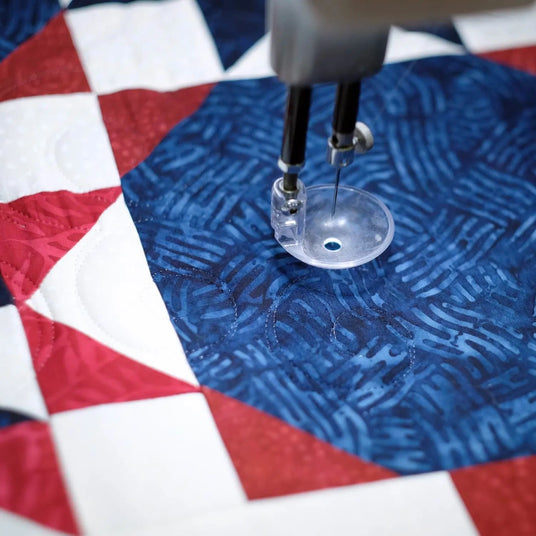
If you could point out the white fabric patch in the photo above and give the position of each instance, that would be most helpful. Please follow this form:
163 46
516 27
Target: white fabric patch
255 63
103 288
498 30
138 465
162 45
418 506
14 525
19 390
403 46
55 142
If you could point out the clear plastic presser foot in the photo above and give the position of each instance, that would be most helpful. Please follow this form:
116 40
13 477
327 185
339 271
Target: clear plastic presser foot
360 228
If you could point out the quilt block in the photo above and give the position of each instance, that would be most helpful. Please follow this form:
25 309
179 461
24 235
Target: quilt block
167 368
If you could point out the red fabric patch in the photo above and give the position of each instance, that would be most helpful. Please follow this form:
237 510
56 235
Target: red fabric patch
37 230
46 64
273 458
523 58
500 496
138 119
30 481
75 371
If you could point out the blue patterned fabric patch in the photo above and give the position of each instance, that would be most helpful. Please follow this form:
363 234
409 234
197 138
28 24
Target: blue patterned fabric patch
74 4
20 19
424 359
8 417
5 295
236 25
445 30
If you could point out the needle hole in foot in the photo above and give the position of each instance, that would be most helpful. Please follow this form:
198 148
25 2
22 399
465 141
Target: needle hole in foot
332 244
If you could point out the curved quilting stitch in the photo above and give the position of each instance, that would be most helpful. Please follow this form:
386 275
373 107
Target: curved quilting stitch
204 345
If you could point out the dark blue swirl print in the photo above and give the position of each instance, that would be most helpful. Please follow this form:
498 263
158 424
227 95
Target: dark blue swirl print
235 25
423 359
5 295
20 19
8 417
75 4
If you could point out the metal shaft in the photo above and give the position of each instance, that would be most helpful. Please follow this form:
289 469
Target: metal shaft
295 131
346 108
344 118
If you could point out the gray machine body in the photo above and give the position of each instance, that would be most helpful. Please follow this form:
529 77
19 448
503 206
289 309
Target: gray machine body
315 41
307 48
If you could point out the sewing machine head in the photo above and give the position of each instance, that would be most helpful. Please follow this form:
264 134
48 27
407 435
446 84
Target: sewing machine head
342 41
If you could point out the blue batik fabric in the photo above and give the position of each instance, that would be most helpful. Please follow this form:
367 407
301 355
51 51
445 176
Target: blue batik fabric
424 359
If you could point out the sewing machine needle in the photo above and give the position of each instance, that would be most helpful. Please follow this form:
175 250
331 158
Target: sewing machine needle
335 192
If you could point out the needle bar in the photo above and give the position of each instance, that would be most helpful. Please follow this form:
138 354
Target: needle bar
335 192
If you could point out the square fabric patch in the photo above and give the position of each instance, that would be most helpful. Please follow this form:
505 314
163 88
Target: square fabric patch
158 471
153 45
54 142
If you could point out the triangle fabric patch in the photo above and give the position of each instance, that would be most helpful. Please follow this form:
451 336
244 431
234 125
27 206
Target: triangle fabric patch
21 20
273 458
75 371
255 63
5 296
31 483
46 64
9 417
37 230
85 3
103 288
223 22
138 119
444 30
500 496
523 58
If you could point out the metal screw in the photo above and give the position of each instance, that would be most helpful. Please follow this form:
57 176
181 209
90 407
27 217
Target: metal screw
291 206
363 138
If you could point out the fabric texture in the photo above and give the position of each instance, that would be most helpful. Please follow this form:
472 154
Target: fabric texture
420 342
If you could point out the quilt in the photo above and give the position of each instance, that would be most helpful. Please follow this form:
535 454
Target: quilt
167 368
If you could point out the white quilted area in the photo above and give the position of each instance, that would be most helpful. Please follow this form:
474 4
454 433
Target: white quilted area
496 30
404 45
54 142
19 390
411 506
14 525
161 45
254 63
143 464
103 288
